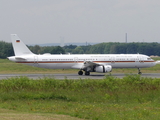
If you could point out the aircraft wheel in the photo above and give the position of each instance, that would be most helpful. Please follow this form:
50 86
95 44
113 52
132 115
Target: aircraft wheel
87 73
80 73
139 73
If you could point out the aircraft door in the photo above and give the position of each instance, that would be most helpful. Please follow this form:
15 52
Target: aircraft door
112 59
137 60
76 59
36 61
141 59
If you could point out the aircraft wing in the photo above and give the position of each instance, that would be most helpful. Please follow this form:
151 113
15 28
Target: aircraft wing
89 64
85 65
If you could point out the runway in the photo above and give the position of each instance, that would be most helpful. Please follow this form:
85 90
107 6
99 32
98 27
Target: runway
74 76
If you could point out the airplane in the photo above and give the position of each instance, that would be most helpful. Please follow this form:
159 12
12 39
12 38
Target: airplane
101 63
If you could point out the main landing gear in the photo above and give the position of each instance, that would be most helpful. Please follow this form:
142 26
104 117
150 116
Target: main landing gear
139 71
87 73
81 72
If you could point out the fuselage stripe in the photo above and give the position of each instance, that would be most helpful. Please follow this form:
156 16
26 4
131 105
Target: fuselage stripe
83 61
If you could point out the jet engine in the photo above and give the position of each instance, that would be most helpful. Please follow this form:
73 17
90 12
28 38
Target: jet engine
103 68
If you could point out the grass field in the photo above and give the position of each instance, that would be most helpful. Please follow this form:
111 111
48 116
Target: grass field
129 98
7 67
16 115
111 98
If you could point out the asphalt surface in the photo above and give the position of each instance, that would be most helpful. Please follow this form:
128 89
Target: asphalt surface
74 76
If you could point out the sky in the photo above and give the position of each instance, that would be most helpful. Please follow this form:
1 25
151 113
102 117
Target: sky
92 21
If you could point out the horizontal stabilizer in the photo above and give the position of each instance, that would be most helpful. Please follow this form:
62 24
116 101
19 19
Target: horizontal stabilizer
20 58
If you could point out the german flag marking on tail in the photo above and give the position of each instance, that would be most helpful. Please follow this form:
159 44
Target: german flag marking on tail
17 41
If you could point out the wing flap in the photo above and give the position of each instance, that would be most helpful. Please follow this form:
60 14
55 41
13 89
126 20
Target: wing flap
89 64
86 64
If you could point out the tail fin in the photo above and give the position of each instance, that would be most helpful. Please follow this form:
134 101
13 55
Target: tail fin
19 47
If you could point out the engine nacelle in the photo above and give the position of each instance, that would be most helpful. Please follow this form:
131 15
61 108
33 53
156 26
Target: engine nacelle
103 69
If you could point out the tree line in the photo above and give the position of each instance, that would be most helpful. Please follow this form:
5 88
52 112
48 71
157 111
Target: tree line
6 49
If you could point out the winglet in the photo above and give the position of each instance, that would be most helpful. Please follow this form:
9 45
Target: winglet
19 47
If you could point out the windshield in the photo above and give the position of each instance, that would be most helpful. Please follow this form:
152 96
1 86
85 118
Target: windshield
149 59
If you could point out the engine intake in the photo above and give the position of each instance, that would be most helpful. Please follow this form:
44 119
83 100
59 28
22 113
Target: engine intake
103 68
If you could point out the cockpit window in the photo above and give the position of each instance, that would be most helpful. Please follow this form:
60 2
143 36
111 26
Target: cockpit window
149 59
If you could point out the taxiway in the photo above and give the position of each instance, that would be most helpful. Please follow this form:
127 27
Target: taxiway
74 76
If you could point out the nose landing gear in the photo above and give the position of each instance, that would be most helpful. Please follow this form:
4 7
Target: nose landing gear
139 71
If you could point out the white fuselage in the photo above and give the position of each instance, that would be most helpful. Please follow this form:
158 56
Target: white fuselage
101 63
77 61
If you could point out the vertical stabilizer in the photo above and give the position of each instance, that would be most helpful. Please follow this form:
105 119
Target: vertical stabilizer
19 47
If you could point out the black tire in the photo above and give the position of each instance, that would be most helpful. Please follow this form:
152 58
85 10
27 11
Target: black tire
87 73
80 73
140 73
